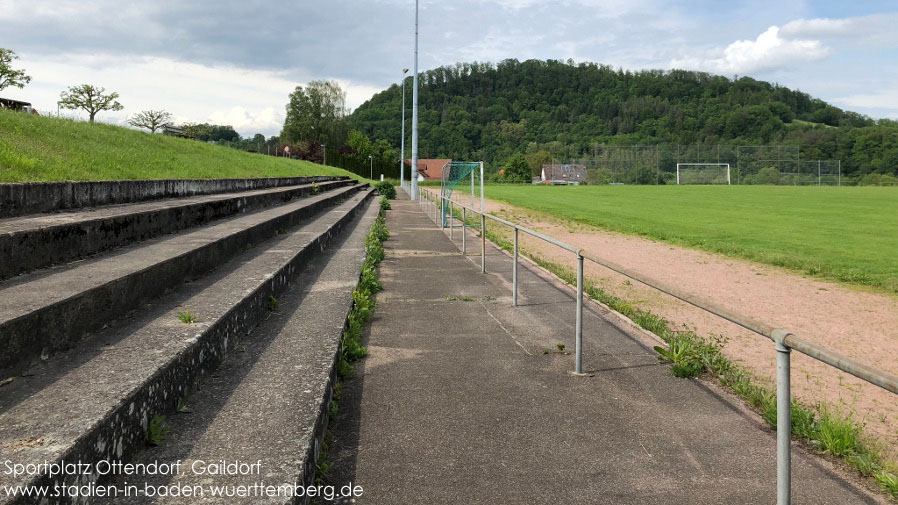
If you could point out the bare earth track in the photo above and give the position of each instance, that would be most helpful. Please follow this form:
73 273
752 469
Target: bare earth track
852 321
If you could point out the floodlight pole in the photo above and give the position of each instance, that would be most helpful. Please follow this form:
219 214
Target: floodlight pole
414 172
402 156
324 150
371 167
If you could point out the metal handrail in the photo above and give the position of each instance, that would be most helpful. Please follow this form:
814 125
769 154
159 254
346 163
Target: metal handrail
784 340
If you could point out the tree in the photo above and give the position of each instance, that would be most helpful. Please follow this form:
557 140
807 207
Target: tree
90 98
150 119
8 75
517 169
360 143
316 112
210 132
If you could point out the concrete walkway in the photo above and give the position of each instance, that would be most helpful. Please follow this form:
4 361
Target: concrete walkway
459 403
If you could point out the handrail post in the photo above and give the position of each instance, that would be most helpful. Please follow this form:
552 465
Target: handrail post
442 212
783 419
482 243
514 274
450 220
464 225
578 368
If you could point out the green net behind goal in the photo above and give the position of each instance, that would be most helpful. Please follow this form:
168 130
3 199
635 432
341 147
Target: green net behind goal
453 173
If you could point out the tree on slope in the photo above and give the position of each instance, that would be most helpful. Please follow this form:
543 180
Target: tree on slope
316 112
150 119
89 98
8 75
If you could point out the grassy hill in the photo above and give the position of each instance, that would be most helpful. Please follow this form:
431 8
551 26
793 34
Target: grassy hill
34 148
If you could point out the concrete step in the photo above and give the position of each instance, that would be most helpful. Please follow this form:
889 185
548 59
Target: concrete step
268 404
39 240
96 402
48 311
19 199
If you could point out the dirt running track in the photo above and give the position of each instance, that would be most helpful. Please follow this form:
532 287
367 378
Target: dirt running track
855 322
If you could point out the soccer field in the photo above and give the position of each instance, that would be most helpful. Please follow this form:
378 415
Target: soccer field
848 234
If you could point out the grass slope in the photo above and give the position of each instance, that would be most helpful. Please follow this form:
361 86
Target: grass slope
845 234
34 148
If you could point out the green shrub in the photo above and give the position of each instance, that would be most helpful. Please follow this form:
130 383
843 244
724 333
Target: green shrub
385 188
767 175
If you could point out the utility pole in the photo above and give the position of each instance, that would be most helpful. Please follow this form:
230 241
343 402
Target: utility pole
402 156
414 172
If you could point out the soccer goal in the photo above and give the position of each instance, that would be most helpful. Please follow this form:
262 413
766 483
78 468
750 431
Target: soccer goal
703 173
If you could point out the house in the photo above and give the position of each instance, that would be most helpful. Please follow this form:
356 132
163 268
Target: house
430 170
7 103
570 174
174 131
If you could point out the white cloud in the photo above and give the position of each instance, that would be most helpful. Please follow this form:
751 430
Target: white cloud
817 27
886 99
250 100
876 29
769 51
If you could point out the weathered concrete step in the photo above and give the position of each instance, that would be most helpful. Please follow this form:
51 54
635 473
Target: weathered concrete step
18 199
97 403
268 403
49 310
39 240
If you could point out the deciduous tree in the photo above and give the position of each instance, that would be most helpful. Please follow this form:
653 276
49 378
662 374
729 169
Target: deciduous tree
150 119
90 98
8 75
316 112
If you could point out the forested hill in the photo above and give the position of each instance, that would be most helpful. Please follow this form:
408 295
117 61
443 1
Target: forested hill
489 112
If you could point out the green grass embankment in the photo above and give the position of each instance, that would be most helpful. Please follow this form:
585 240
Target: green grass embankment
41 149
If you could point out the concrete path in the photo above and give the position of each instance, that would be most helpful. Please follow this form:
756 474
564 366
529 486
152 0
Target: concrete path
459 403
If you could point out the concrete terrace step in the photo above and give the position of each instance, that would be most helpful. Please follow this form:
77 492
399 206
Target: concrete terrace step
268 403
95 404
18 199
39 240
48 311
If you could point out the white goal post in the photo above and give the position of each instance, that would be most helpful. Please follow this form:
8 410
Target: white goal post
710 181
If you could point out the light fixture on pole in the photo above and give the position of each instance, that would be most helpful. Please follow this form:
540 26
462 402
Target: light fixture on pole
402 156
371 169
414 172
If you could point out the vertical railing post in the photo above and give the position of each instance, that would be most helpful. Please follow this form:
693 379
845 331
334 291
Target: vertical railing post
578 368
514 272
464 225
442 212
783 419
451 217
482 243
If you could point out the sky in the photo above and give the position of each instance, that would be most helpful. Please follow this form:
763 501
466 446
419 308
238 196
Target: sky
236 62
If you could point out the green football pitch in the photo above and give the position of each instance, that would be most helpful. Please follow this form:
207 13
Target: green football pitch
849 234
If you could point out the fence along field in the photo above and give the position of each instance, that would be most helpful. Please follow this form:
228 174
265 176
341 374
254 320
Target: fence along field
660 164
844 234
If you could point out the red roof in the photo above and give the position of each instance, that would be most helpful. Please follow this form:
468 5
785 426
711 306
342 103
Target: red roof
431 170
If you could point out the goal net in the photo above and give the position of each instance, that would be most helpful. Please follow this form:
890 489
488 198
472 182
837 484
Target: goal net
703 173
456 173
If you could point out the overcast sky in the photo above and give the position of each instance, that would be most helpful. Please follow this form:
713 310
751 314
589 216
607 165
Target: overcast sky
235 62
